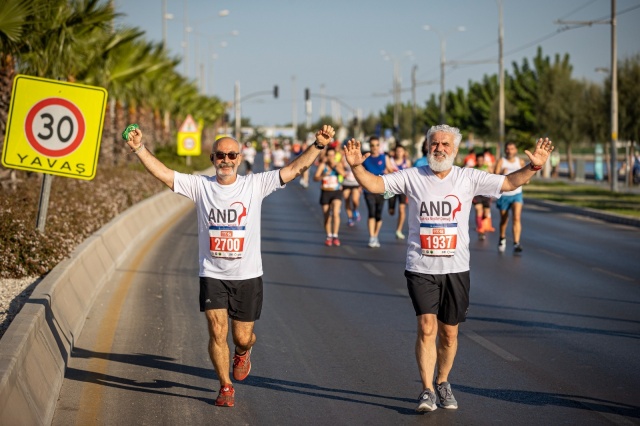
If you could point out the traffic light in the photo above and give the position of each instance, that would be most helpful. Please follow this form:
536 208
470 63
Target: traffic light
306 94
275 91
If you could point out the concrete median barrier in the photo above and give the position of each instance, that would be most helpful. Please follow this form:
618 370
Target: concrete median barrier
35 349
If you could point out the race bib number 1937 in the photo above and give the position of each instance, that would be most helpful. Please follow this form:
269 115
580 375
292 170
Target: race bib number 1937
226 241
438 239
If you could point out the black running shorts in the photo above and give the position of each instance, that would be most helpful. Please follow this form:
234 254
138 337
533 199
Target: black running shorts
241 298
326 197
445 295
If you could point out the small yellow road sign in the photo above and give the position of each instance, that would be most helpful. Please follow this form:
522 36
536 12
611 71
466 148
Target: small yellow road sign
54 127
189 138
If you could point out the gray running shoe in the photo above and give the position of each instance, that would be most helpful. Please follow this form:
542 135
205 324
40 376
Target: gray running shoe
426 402
517 248
446 396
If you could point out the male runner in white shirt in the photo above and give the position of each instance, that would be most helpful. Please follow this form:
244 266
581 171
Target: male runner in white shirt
437 267
229 210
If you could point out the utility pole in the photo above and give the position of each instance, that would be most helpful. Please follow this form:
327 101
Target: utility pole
237 109
501 74
614 100
443 62
186 40
294 112
164 23
613 166
396 97
413 103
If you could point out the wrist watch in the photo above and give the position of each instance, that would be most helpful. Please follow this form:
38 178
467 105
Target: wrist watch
318 145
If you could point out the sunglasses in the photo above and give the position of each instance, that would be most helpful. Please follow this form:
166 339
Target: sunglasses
221 155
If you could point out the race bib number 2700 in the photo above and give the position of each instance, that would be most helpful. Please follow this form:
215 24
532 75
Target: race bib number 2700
226 241
438 239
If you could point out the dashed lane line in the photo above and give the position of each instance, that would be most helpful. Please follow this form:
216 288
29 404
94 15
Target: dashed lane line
613 274
375 271
490 346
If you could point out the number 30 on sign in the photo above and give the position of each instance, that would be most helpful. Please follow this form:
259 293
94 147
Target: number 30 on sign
54 127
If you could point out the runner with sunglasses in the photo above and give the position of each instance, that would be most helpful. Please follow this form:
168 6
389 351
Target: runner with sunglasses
229 210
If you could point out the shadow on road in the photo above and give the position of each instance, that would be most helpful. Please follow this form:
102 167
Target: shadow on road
544 398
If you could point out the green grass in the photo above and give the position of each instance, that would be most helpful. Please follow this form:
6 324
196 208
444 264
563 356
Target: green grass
584 195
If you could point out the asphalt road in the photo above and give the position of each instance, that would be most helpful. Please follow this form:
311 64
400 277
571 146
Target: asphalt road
553 334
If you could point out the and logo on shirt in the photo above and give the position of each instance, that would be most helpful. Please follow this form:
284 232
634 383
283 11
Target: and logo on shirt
438 226
227 231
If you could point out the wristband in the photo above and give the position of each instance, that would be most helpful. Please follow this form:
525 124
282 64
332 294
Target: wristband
138 149
534 168
317 145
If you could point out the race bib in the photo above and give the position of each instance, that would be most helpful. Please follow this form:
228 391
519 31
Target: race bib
330 183
226 241
438 239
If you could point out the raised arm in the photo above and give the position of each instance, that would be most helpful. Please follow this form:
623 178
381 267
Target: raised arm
148 160
540 155
369 181
304 160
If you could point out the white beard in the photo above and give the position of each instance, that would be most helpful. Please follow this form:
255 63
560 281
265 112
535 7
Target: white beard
441 165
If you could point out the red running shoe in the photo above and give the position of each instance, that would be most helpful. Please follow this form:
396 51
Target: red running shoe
328 242
226 396
336 242
241 365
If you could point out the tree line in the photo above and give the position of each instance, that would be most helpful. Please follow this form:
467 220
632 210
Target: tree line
78 42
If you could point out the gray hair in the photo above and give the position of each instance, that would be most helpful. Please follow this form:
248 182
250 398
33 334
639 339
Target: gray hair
219 138
457 136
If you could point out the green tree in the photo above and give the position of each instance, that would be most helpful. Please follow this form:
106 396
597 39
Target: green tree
629 99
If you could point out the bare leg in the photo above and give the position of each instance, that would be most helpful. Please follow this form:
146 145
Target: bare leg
378 225
327 215
243 336
447 347
371 224
402 212
426 353
218 324
336 206
504 219
517 225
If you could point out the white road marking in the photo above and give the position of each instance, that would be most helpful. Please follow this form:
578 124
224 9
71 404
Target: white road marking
490 346
403 291
349 250
372 269
550 253
613 274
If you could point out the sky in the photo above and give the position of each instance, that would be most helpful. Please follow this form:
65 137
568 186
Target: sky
347 49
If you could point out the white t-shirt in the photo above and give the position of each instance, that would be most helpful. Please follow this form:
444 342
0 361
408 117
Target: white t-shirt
438 214
511 166
249 154
228 221
279 157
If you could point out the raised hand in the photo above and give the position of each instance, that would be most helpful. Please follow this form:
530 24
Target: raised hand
540 155
325 135
353 153
134 138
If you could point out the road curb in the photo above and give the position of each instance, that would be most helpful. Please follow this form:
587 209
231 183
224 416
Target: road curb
36 347
584 211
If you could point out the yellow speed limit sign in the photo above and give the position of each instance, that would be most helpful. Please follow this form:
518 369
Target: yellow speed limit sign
54 127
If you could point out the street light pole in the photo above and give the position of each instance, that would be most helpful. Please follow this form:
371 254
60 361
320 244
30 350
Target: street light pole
614 101
443 64
501 102
443 104
237 109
